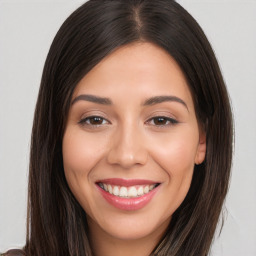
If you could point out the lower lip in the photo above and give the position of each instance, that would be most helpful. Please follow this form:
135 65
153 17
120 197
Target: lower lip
128 204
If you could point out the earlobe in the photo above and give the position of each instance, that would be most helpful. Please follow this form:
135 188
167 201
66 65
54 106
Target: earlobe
201 149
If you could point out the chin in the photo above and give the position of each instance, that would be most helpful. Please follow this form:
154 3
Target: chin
132 226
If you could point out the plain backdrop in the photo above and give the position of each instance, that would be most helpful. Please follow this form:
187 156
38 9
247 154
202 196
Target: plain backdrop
26 32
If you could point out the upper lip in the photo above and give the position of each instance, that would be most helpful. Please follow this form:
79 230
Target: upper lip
127 182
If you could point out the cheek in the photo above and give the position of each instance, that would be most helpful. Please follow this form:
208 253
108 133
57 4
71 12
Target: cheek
176 154
180 157
79 152
179 165
176 158
79 158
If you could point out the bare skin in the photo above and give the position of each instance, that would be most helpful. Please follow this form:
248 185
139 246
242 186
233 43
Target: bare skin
132 117
105 245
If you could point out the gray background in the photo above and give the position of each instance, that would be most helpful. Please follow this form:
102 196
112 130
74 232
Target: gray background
26 31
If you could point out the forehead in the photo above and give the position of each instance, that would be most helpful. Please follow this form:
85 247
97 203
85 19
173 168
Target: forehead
136 69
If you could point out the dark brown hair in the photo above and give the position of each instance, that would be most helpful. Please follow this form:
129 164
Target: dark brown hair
56 222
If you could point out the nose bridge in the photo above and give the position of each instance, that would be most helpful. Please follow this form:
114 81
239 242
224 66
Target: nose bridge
128 146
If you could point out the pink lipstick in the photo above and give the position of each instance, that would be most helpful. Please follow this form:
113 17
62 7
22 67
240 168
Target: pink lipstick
128 195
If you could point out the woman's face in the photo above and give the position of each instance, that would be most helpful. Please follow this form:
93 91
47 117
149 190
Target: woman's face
131 142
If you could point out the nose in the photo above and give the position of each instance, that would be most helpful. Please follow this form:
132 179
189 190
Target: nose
128 148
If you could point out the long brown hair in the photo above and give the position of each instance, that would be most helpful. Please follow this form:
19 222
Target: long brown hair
56 222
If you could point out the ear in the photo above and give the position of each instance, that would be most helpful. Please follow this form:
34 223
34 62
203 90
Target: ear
201 148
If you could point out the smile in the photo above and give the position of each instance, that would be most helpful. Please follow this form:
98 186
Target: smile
128 195
127 192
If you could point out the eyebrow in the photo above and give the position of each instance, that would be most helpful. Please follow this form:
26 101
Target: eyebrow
148 102
92 98
160 99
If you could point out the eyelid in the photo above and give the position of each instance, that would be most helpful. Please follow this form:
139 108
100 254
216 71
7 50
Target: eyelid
172 121
83 120
93 112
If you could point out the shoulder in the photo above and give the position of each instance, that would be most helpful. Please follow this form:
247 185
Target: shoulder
14 252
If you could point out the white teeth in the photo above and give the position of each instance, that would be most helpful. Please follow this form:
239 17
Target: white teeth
146 189
133 191
140 191
110 189
151 187
123 192
116 191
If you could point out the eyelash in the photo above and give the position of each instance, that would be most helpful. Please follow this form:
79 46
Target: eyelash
168 121
85 121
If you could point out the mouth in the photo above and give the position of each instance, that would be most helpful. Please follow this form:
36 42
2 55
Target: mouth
128 195
127 191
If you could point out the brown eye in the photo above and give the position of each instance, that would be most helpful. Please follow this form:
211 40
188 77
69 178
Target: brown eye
162 121
93 120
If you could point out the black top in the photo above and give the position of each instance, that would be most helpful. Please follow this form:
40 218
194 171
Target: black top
14 252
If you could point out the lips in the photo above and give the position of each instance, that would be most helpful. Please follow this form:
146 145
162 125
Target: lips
127 195
127 192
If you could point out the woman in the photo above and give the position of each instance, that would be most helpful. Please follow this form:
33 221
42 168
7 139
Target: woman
132 138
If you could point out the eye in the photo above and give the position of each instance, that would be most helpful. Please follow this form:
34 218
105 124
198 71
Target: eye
94 121
162 121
